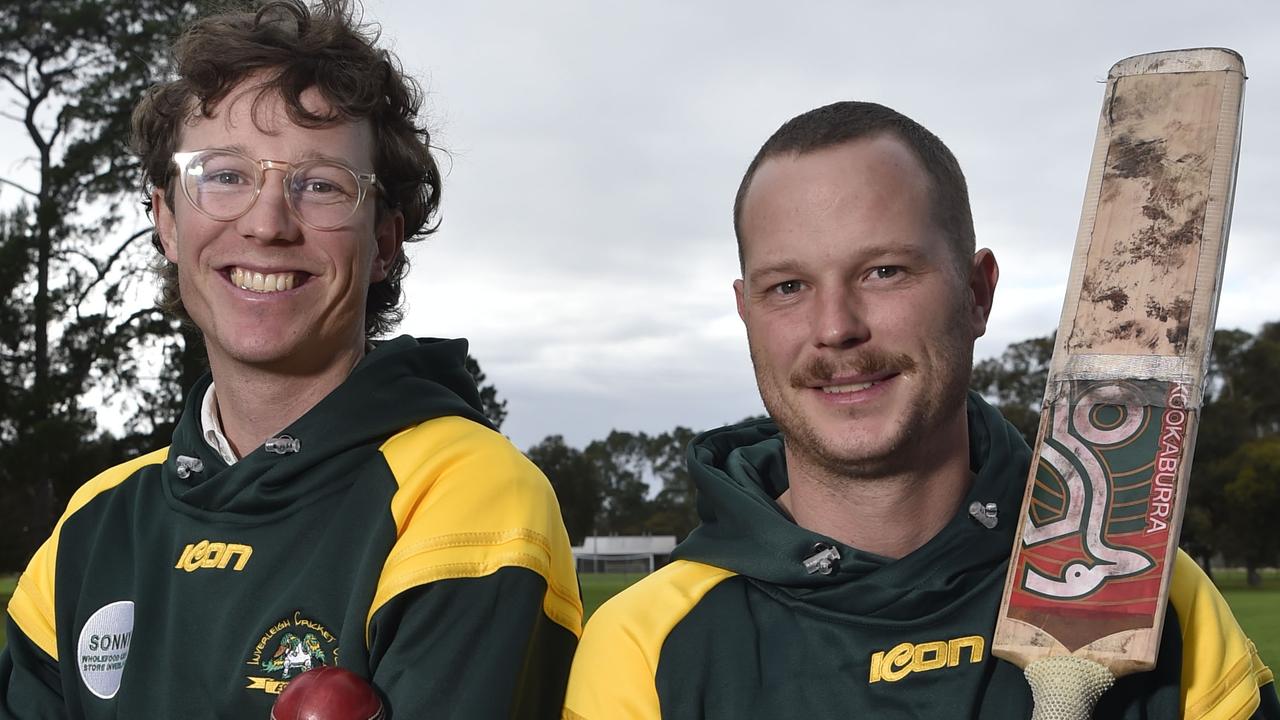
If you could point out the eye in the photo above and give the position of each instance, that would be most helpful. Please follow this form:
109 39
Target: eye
884 272
318 186
227 177
788 287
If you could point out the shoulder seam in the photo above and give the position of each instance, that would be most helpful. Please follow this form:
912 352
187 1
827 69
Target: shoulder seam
34 600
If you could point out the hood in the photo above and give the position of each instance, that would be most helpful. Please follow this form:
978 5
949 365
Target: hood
400 383
740 470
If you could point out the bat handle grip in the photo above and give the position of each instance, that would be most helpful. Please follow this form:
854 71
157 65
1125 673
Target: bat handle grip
1066 687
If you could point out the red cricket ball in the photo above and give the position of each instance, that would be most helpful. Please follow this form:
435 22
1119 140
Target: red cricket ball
327 693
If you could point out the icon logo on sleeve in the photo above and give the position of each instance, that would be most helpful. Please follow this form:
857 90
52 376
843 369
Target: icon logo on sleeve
104 647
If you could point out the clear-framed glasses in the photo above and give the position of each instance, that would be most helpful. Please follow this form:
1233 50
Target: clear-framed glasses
223 184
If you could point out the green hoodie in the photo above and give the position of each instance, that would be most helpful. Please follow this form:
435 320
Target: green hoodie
739 625
389 530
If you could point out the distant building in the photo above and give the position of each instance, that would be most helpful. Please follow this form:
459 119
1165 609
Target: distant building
624 553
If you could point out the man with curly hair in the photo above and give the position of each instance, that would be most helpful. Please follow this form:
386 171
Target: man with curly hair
321 483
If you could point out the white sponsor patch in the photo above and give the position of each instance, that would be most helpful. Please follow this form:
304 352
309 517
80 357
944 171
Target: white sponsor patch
104 647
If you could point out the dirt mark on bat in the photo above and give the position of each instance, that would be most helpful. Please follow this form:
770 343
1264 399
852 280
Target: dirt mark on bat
1126 330
1165 243
1174 209
1179 313
1130 158
1116 297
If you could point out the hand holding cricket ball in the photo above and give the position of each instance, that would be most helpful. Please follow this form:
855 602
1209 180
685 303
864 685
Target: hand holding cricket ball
1085 597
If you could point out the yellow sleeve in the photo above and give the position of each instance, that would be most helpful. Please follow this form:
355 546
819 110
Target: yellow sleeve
468 504
614 670
32 605
1221 670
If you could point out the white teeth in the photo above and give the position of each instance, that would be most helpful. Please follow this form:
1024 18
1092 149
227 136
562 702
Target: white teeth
257 282
855 387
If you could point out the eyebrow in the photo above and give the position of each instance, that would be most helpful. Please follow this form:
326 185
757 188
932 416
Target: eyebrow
872 253
782 267
307 155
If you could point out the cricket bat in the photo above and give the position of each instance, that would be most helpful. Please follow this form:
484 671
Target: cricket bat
1084 600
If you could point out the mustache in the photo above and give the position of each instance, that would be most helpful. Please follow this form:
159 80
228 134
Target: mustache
820 370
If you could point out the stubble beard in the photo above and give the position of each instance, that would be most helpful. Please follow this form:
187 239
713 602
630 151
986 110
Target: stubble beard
930 410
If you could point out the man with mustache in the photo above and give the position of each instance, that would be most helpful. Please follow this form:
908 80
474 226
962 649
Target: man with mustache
853 547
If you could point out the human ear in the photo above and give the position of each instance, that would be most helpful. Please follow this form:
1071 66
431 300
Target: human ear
388 239
166 227
983 275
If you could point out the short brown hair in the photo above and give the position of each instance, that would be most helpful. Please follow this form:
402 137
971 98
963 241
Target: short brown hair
843 122
294 47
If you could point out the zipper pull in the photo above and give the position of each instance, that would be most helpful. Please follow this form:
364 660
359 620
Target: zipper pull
823 560
283 445
985 513
187 465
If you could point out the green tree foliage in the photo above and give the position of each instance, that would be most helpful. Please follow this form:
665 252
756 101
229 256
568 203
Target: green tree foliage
606 489
494 408
622 460
1224 425
1250 481
1232 479
70 73
1015 382
673 511
576 481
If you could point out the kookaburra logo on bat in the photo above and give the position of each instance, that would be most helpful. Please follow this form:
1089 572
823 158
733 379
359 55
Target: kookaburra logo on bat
1074 434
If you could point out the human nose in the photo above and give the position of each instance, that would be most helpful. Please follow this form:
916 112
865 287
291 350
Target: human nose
270 219
839 320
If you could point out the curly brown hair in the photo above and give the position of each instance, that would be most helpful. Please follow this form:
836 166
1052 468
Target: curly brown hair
293 48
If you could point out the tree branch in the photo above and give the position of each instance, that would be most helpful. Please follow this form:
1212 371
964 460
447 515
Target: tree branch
105 267
16 185
24 92
137 314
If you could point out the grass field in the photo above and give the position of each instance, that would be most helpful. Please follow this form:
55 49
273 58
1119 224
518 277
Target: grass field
598 587
1257 609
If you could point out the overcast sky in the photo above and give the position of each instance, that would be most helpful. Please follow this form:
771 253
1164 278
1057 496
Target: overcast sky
587 246
594 149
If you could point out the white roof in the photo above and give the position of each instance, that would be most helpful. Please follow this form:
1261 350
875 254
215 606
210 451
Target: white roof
626 545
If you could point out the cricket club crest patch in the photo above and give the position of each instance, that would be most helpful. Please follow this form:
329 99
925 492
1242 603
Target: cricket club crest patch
292 645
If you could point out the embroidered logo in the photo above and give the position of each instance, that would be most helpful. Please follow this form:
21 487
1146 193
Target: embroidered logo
103 648
290 646
205 554
906 658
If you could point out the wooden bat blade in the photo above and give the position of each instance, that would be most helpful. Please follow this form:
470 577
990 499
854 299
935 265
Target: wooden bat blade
1098 531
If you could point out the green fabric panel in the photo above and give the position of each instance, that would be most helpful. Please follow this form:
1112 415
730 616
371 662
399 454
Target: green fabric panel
746 652
195 632
29 683
1269 708
479 648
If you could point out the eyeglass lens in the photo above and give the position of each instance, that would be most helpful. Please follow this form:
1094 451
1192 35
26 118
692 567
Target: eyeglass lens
224 185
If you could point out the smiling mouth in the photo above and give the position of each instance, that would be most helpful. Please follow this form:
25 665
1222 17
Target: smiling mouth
852 387
262 283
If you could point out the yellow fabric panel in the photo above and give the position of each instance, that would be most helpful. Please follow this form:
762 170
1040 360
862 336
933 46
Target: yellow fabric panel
614 670
468 504
31 606
1221 670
